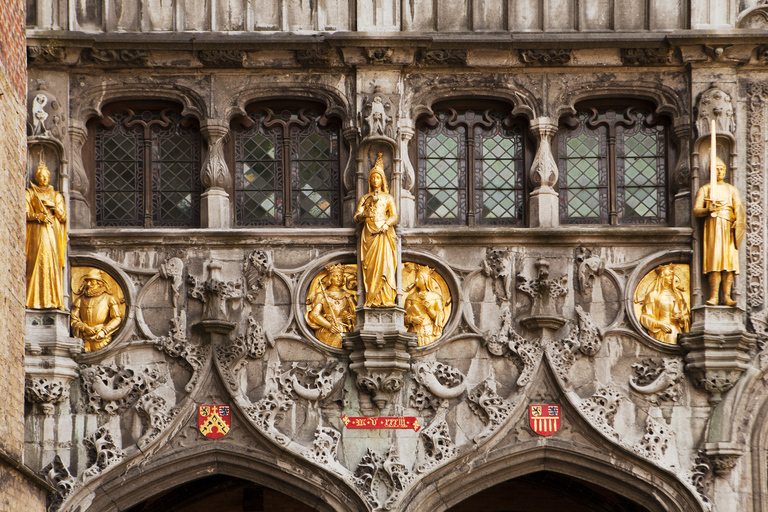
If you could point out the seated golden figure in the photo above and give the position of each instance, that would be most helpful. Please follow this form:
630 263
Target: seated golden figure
46 243
96 313
378 241
665 309
331 303
427 303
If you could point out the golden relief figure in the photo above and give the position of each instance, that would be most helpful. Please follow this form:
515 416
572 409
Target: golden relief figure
378 241
46 243
662 302
98 309
331 303
724 226
427 302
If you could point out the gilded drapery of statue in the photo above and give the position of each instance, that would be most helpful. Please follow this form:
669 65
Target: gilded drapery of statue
427 302
378 241
331 303
98 309
724 226
46 243
662 302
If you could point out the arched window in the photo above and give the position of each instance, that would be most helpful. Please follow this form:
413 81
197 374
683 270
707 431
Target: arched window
471 166
146 161
287 166
613 166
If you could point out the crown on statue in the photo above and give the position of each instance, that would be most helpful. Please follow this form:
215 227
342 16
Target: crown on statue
333 269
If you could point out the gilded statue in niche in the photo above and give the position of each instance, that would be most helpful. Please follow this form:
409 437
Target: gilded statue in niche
724 225
46 242
98 309
331 303
427 302
378 241
662 302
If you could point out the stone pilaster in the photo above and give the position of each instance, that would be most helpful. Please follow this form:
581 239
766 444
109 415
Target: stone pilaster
543 204
215 210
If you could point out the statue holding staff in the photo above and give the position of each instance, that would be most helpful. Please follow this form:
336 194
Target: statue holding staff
378 241
724 225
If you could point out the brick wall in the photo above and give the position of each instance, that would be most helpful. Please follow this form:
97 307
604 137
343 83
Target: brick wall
17 491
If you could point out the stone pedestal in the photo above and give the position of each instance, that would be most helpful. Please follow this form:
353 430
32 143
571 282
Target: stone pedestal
717 349
543 205
214 210
379 352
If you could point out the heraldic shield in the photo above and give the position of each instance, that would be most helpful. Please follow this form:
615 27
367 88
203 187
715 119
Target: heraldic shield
214 421
544 419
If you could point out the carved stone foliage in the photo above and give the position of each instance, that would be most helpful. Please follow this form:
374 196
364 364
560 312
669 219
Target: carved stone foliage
584 338
113 389
112 57
546 294
453 57
757 97
546 57
658 379
175 345
601 408
497 265
324 447
46 117
45 53
267 412
655 441
319 385
222 58
701 477
645 56
588 269
315 56
214 293
102 452
438 446
156 415
58 476
46 392
715 105
257 268
441 380
506 341
376 115
382 479
492 409
215 173
232 356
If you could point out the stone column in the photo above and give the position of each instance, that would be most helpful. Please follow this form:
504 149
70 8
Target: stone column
214 209
681 176
543 203
408 175
79 213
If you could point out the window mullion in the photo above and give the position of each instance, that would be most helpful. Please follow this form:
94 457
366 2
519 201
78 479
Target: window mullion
147 177
611 164
287 179
470 176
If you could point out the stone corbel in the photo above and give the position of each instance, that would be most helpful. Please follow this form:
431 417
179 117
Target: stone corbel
215 177
543 201
214 294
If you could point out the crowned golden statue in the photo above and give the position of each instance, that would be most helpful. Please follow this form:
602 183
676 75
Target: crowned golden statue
46 243
378 241
724 225
666 310
331 303
96 312
427 305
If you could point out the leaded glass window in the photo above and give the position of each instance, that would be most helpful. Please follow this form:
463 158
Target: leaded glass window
613 167
301 142
147 169
470 168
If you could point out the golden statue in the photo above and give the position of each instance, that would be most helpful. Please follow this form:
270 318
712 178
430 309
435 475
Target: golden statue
331 303
427 303
378 241
724 225
97 312
46 243
662 302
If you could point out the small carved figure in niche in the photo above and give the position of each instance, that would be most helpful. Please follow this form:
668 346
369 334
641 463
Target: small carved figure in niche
665 309
378 241
427 305
39 115
331 303
378 118
724 226
97 313
46 242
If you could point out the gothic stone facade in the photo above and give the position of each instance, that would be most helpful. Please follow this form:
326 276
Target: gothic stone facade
543 157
